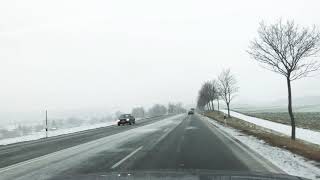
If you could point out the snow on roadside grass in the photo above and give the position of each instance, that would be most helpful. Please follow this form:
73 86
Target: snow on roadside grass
42 134
290 163
303 134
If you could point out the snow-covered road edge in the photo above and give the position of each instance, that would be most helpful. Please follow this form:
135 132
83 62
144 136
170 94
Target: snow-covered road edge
303 134
290 163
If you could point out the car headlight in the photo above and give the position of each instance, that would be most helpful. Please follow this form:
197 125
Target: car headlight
128 119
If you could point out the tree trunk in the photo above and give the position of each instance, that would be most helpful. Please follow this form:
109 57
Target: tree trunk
228 110
212 105
293 124
218 106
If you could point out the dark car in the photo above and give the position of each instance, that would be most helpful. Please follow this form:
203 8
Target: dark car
190 112
126 119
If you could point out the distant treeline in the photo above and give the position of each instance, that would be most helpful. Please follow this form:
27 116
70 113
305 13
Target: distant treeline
54 124
158 109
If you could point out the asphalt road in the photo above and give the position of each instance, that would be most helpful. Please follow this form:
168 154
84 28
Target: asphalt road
178 142
18 152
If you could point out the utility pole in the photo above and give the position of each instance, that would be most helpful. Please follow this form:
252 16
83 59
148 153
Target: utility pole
46 124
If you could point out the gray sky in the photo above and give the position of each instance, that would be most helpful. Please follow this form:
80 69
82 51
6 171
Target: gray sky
75 54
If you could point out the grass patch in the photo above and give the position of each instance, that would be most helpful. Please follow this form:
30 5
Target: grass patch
307 150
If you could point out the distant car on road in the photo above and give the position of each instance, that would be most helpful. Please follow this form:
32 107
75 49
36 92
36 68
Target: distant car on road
126 119
190 112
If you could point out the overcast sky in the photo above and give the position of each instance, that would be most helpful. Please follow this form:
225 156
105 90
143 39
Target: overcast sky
115 54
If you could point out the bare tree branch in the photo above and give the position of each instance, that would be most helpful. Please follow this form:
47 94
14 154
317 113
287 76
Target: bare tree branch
228 87
287 49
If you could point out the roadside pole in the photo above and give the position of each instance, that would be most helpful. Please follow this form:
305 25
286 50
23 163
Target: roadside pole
46 124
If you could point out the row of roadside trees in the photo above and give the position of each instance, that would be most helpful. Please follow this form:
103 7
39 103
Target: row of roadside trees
284 48
158 109
223 88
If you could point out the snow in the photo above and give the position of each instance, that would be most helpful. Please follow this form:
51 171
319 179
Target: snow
303 134
290 163
42 134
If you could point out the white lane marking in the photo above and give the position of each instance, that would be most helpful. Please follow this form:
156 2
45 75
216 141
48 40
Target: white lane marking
191 127
166 132
46 159
57 153
125 158
24 163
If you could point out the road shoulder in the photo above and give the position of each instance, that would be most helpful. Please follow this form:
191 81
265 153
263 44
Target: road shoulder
290 163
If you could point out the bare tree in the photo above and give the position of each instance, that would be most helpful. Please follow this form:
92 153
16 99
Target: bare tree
117 114
138 112
202 99
209 91
207 94
157 110
218 94
215 92
228 87
285 48
176 108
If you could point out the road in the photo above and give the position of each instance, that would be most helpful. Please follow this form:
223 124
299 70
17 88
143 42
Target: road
177 142
14 153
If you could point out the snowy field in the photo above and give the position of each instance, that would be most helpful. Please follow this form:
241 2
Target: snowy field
303 134
39 135
290 163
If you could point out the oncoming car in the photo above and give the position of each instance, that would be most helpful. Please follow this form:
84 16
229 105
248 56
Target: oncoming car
191 111
126 119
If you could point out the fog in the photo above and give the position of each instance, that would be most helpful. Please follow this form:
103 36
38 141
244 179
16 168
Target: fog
102 56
